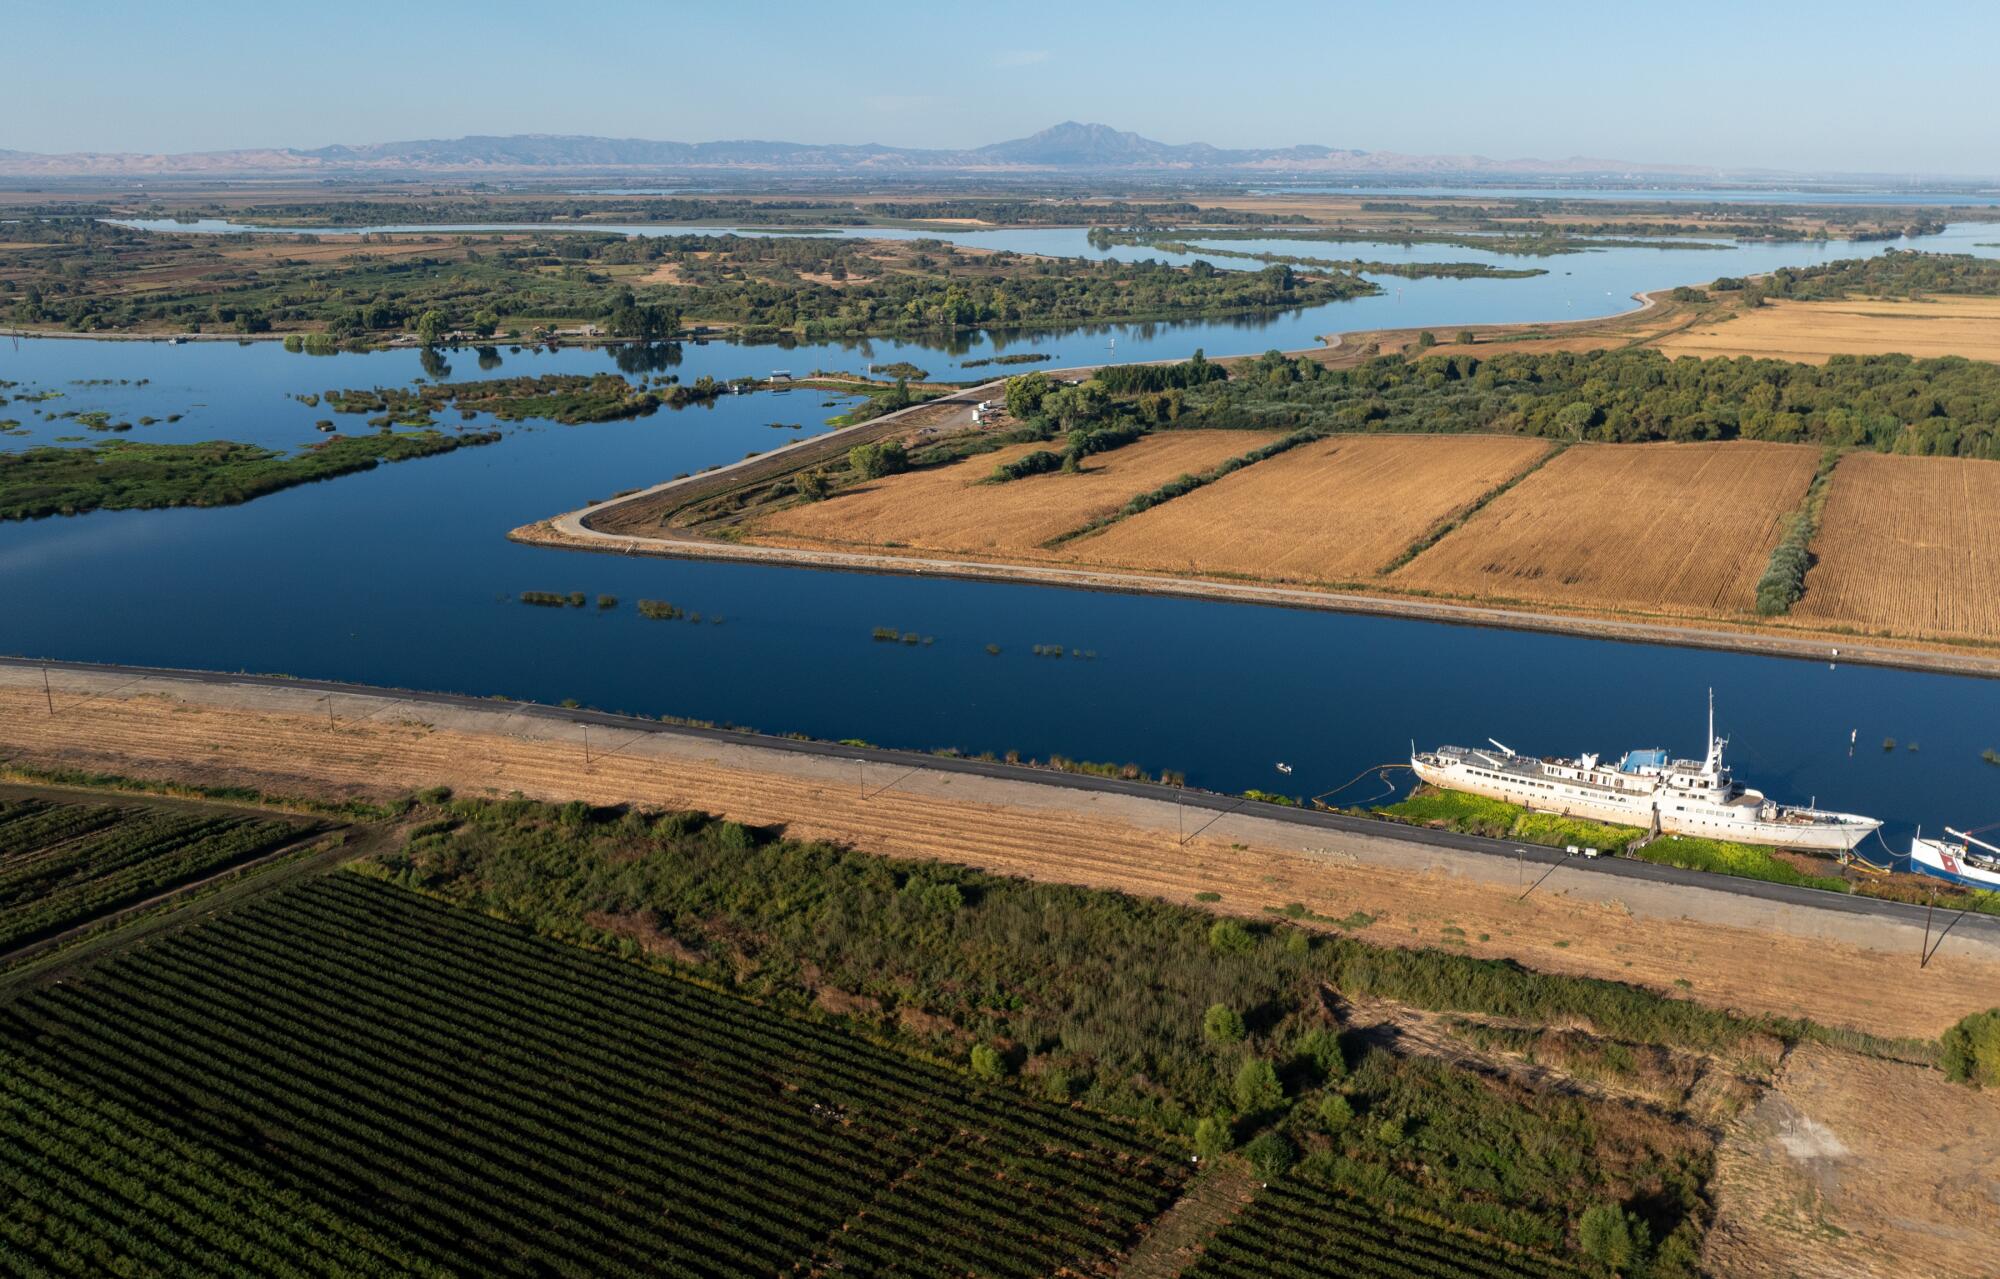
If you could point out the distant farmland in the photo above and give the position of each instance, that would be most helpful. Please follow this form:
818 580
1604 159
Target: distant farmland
1679 528
1909 545
948 508
1336 510
1811 331
451 1095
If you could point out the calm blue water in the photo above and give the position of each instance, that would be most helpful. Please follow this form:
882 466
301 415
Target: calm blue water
403 576
1578 286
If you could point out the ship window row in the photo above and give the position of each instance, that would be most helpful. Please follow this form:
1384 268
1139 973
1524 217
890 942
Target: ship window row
1515 781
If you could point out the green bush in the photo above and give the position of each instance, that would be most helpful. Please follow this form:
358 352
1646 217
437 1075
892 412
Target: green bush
873 461
1319 1051
1971 1050
1222 1025
1611 1237
1228 937
1257 1088
1270 1155
1212 1136
986 1062
1336 1113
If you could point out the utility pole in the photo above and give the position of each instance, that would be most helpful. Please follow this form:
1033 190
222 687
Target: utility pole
586 746
329 712
1924 957
46 694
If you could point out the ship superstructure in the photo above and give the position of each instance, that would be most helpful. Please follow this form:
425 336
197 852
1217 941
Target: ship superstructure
1645 788
1957 857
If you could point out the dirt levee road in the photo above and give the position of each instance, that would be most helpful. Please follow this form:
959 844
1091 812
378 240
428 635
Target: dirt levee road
1841 968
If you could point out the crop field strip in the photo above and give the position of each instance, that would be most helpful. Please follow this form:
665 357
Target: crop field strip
1810 332
555 994
1293 1231
65 864
88 1182
948 508
1672 528
767 1224
548 1075
1332 511
1910 545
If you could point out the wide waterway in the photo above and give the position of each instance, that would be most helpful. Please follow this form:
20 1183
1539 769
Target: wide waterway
1577 286
403 576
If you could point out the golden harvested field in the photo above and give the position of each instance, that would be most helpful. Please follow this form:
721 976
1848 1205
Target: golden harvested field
1909 545
948 509
1811 331
1675 528
1331 511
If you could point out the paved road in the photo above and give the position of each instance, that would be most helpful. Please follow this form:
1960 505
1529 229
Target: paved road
1613 868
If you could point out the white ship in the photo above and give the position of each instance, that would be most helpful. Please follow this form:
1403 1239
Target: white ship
1959 858
1644 788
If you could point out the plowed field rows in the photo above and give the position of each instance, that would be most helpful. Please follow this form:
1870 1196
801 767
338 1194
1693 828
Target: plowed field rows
949 509
1681 529
1337 510
486 1102
1909 545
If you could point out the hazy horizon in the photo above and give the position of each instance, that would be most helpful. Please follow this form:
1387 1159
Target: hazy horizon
1783 87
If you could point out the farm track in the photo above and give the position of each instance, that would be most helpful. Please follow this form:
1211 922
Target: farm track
1735 943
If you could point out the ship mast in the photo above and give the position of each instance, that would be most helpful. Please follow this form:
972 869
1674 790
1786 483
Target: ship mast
1714 755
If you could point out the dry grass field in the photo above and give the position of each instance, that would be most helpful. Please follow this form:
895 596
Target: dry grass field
1856 1168
1666 528
1333 511
1811 331
948 509
1910 546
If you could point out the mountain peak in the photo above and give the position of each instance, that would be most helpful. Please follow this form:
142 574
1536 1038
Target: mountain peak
1076 144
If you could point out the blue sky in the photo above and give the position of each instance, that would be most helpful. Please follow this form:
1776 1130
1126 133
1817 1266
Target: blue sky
1829 86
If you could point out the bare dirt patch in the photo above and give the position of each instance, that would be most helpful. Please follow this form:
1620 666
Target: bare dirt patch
1809 332
948 508
1333 511
1909 545
1676 528
1854 1167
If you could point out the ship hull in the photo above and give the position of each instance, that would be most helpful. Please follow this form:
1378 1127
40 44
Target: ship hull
1639 811
1927 858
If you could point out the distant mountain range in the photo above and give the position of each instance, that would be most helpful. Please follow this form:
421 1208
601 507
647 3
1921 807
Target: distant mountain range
1067 148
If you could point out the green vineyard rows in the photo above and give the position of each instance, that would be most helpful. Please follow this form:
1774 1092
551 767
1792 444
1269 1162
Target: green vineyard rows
1294 1231
64 864
427 1088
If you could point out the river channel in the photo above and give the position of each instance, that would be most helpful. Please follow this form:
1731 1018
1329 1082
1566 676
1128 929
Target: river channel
403 576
